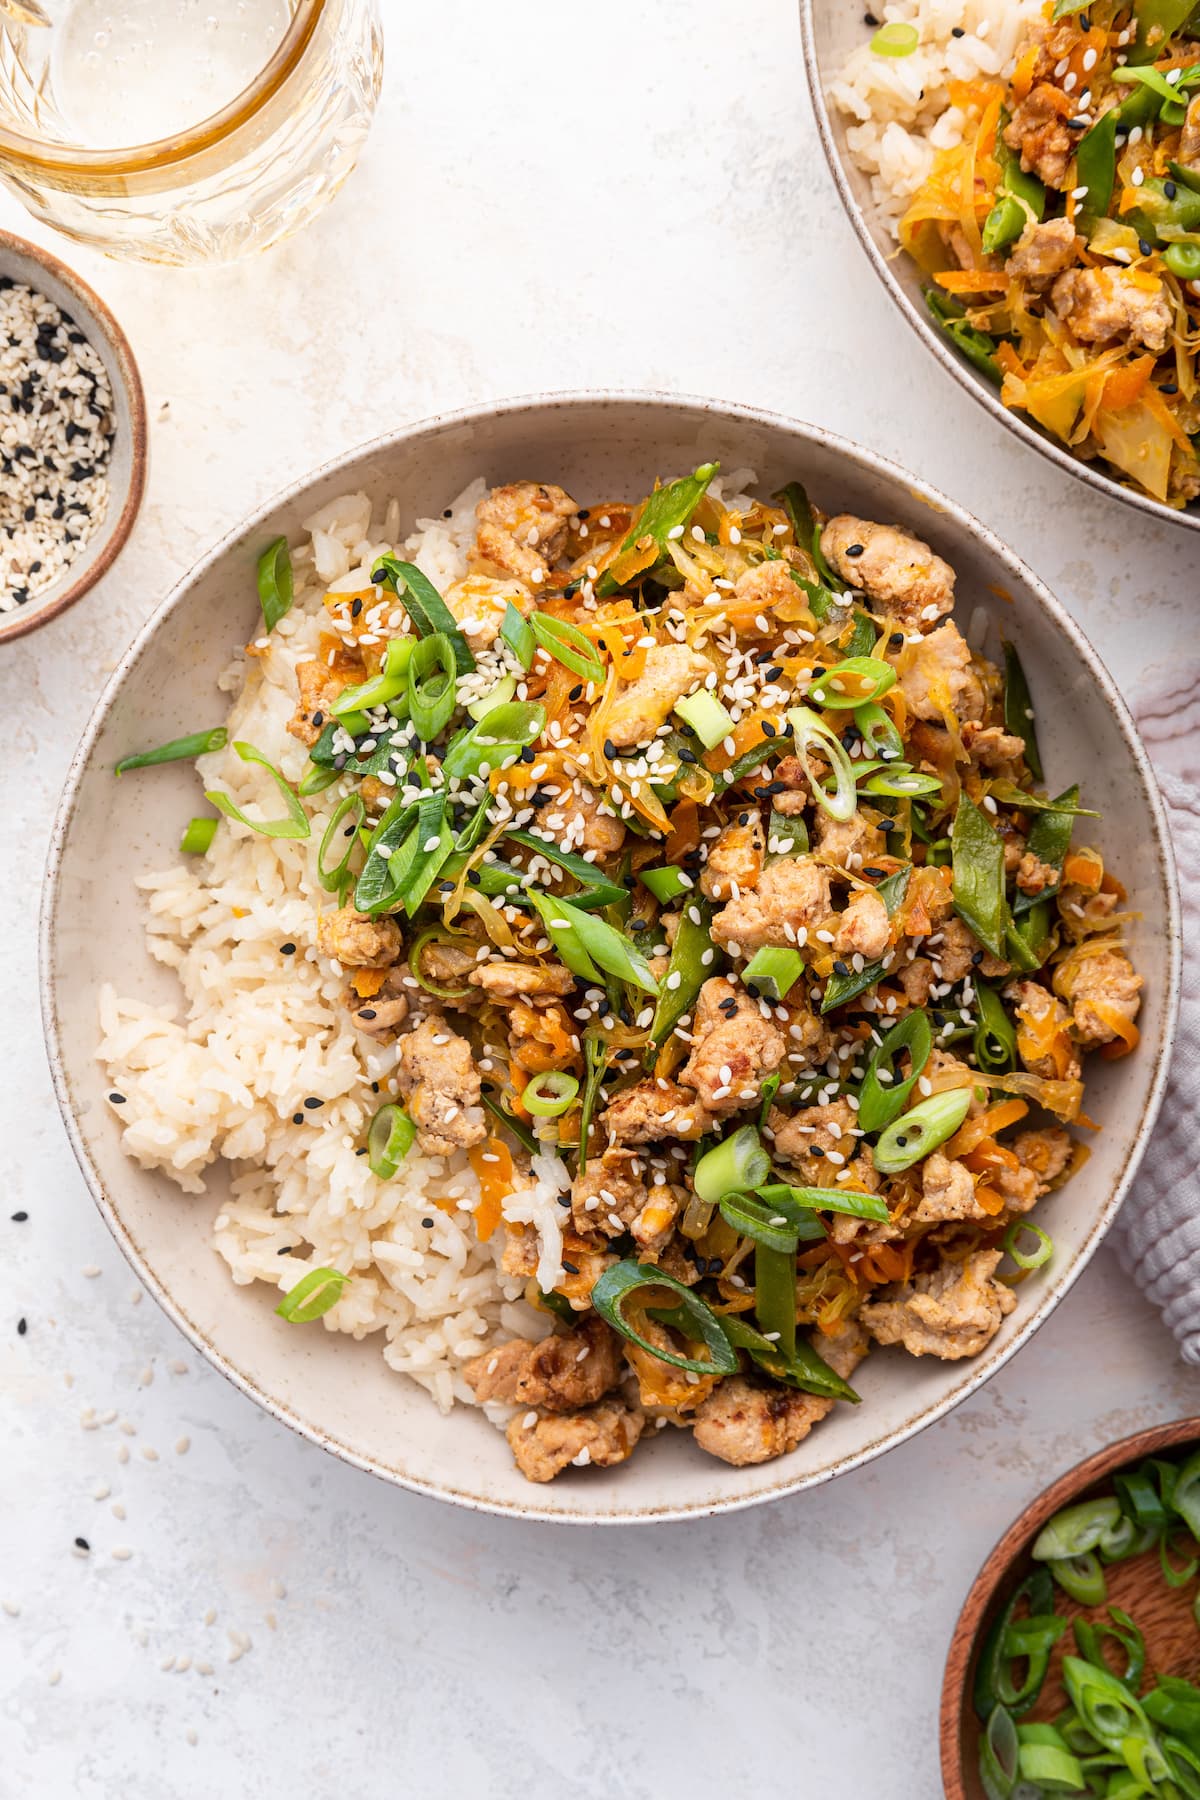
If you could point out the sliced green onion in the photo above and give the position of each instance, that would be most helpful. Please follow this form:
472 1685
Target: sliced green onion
588 945
549 1094
1075 1529
496 739
1186 1497
734 1166
880 1102
595 1059
811 733
390 1136
878 732
993 1677
1090 1636
773 1226
198 835
773 971
1045 1760
390 682
424 605
1110 1713
567 645
1028 1259
438 934
917 1132
858 681
1173 1576
902 783
431 685
312 1295
517 633
275 586
316 780
995 1035
622 1281
1082 1577
197 743
999 1756
783 1196
294 825
706 716
331 878
500 695
418 862
895 39
388 837
665 884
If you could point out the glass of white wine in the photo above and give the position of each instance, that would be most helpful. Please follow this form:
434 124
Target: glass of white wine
184 131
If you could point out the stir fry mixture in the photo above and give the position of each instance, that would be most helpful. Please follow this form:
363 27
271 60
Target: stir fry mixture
702 876
1127 1729
1063 235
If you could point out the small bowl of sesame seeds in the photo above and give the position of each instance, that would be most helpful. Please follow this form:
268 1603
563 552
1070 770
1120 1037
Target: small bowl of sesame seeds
72 437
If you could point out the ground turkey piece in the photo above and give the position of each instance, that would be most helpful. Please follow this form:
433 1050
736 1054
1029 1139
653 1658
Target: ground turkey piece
654 1224
864 928
898 571
1189 137
735 860
1035 876
768 585
1044 1015
669 672
575 818
734 1048
1042 251
1044 1153
940 678
1106 981
815 1141
319 687
519 981
441 1085
357 941
951 1312
947 1192
744 1423
608 1195
848 842
989 747
382 1012
792 892
602 1435
655 1109
1039 131
1099 304
522 529
563 1372
959 952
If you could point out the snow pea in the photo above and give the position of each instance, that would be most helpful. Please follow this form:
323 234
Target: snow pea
1020 198
1018 709
978 866
665 511
693 944
978 348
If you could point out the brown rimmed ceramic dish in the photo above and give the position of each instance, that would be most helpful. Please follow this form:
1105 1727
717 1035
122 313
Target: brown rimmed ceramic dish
342 1394
1163 1613
830 31
34 267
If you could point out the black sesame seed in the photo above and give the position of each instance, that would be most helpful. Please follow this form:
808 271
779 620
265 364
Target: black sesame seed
297 1118
367 1012
768 728
22 1328
117 1099
1169 189
1168 387
81 1543
428 1224
528 753
876 874
896 639
355 607
815 1150
854 549
818 671
19 1218
610 749
318 717
976 959
870 19
841 968
312 1103
1146 248
957 31
687 756
287 949
570 1268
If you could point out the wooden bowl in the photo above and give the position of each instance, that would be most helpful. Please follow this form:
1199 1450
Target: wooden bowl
34 267
1163 1613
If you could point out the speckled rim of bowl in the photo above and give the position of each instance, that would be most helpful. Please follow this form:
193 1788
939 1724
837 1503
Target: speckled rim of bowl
967 378
988 1363
1005 1553
94 317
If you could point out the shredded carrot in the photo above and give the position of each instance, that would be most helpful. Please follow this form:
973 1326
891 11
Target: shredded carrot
990 1200
1022 76
685 831
367 982
1121 387
1085 869
971 281
493 1165
973 1131
1127 1034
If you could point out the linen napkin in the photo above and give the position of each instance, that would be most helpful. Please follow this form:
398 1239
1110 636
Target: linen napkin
1157 1235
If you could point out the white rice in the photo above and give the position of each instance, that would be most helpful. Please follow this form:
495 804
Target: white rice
227 1076
900 105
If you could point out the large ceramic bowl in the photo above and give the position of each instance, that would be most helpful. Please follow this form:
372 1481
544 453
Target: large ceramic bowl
339 1393
831 29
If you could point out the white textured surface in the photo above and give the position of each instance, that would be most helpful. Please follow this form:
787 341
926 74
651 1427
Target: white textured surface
630 198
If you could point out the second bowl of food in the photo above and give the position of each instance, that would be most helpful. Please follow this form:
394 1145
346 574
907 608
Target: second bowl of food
599 958
1028 189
